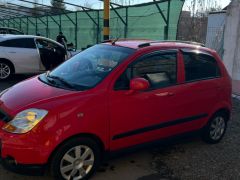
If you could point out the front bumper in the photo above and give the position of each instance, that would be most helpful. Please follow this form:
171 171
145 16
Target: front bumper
30 169
24 149
10 163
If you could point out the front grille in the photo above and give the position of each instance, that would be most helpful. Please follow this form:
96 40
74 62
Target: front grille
4 116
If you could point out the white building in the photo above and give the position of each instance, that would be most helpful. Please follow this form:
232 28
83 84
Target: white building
224 36
215 30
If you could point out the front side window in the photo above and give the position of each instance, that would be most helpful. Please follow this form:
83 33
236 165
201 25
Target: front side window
159 69
200 66
90 67
19 43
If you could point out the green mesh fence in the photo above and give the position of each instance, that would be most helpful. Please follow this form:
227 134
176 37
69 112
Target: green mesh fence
149 21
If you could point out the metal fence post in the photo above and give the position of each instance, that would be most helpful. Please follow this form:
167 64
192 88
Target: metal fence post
76 29
126 25
27 26
60 22
36 26
98 25
106 30
47 29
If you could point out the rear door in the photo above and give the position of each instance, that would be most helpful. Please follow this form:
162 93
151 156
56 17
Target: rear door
22 52
202 83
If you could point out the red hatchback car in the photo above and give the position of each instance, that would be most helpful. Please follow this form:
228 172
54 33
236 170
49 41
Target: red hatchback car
112 96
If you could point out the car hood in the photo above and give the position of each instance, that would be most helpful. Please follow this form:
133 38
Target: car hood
27 93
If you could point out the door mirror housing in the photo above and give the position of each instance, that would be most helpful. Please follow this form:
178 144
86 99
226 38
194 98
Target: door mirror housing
139 84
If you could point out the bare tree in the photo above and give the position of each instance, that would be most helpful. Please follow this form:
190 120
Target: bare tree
193 22
57 5
35 7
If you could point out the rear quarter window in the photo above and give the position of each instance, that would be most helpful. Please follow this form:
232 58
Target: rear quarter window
200 66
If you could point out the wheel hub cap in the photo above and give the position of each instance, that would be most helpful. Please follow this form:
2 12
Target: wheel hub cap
77 162
217 128
4 71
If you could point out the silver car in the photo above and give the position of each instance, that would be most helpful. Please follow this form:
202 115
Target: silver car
26 54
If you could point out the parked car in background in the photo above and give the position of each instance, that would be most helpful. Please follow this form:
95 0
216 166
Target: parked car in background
112 96
6 30
26 54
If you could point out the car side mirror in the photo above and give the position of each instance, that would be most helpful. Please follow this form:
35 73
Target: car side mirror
139 84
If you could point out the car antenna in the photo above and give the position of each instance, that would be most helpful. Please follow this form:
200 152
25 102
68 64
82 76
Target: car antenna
115 40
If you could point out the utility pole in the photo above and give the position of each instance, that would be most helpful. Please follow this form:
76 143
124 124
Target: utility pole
106 29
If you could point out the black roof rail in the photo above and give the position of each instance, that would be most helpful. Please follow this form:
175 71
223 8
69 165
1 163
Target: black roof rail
165 41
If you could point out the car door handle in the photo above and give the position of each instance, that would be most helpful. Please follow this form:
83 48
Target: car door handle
164 94
12 52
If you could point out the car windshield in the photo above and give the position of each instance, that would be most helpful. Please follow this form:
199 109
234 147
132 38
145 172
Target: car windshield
90 67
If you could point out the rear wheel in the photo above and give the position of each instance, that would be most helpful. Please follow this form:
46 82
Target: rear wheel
6 70
76 159
215 129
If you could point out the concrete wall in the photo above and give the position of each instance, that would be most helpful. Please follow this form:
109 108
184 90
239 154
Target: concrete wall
215 31
231 57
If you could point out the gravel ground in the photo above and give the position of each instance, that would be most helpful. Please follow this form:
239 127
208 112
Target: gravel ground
183 160
195 159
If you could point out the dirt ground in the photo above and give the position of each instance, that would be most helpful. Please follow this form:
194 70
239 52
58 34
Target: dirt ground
183 160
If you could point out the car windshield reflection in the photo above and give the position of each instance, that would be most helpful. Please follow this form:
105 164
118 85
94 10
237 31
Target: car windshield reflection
90 67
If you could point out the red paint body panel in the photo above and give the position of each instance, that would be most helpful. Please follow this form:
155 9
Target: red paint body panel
106 113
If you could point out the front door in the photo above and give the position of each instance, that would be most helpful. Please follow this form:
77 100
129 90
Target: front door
144 116
51 54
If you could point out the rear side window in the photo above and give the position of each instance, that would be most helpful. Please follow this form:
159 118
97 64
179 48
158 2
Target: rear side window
200 66
159 69
19 43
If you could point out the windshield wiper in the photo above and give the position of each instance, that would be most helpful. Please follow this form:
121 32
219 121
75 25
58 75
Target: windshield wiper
63 81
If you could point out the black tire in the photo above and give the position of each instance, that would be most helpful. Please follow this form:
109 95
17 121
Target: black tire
57 159
10 67
208 130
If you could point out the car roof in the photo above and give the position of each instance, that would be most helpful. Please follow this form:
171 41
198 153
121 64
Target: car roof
145 43
4 37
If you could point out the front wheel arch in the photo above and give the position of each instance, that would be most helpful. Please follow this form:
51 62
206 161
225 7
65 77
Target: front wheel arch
66 147
84 135
11 66
9 62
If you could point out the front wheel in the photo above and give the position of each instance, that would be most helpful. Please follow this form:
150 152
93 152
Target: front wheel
5 70
76 159
215 129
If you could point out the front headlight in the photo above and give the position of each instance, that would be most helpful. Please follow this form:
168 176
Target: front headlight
25 121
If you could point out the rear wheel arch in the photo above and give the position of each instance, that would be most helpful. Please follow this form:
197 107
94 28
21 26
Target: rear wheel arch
225 111
216 126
